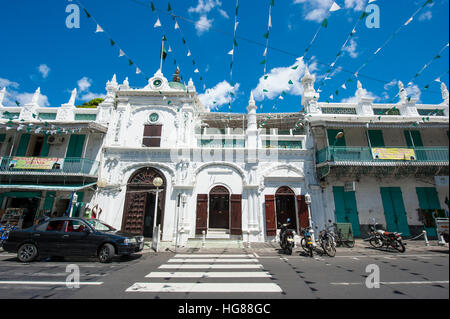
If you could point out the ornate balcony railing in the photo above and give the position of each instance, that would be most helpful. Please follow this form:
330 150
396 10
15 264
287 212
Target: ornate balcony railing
49 166
366 154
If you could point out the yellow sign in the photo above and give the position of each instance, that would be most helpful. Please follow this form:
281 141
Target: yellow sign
33 163
399 154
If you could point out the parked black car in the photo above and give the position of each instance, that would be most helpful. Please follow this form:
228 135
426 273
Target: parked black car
64 236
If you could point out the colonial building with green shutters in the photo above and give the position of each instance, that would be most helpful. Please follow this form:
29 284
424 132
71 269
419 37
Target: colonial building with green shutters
49 158
386 163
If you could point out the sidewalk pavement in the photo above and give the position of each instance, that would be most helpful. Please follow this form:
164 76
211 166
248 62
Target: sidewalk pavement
416 246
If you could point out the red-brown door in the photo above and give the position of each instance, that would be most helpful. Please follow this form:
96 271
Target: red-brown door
236 215
202 214
271 227
133 220
302 212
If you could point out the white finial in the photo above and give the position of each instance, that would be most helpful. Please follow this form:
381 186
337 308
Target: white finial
444 92
36 96
72 97
359 85
252 99
307 70
402 92
2 96
114 80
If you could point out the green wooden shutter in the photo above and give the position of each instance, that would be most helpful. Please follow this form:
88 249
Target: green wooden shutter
23 145
429 200
416 138
339 204
332 137
351 211
48 202
75 147
45 148
394 210
376 138
400 211
388 209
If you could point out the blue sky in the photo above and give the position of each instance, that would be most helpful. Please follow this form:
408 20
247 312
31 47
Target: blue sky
38 50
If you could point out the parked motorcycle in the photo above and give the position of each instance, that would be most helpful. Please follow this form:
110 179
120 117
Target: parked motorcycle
307 241
380 238
287 242
327 240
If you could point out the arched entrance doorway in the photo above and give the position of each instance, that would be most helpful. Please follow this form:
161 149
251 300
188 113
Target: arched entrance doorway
219 208
285 206
140 199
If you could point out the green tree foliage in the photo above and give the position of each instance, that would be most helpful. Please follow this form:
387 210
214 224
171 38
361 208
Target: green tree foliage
92 104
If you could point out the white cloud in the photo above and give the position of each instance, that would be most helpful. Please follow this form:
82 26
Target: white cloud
354 99
427 15
44 70
90 96
203 24
84 92
84 84
317 10
413 91
24 98
278 81
391 84
203 8
351 49
5 83
219 95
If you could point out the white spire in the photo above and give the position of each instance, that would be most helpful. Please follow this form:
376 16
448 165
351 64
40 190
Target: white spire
444 92
252 99
73 97
36 96
2 96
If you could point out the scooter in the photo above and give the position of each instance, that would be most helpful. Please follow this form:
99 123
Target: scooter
287 237
380 238
307 241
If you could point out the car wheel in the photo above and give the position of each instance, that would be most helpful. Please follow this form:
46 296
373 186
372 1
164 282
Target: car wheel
106 253
27 253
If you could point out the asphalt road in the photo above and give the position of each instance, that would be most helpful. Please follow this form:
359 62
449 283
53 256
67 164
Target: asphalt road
233 274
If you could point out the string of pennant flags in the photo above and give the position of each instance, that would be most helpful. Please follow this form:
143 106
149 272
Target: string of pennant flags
265 54
113 43
436 57
233 51
376 52
363 15
177 26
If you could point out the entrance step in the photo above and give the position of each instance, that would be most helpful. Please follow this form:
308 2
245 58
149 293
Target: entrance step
214 243
218 234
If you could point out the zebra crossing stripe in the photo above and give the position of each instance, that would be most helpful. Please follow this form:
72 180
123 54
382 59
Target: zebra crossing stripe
204 287
212 256
247 274
211 260
209 266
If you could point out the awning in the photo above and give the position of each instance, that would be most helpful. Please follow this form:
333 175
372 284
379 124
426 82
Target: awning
67 188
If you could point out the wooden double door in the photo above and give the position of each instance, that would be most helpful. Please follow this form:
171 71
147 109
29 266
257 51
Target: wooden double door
281 206
139 208
219 210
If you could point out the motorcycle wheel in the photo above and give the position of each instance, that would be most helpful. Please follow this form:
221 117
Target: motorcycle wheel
329 248
398 245
303 244
288 250
376 242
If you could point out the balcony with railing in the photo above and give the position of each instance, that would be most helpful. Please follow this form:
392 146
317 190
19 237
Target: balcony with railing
355 162
48 166
399 155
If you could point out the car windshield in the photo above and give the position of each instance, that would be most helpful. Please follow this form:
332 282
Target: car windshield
100 226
